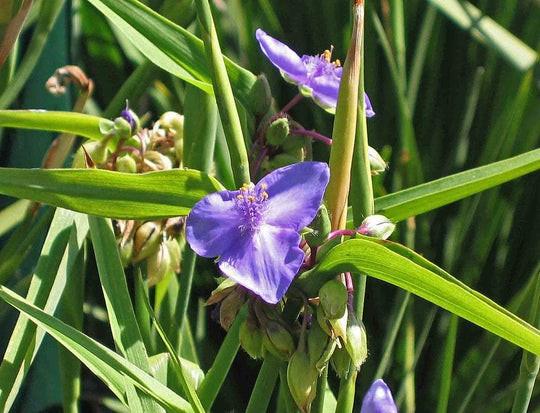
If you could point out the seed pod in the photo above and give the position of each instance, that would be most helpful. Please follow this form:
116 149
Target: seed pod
251 339
229 309
175 253
148 236
295 142
277 340
302 379
174 124
278 131
126 251
377 226
339 326
122 128
321 227
155 161
341 362
333 295
356 343
317 340
260 96
158 264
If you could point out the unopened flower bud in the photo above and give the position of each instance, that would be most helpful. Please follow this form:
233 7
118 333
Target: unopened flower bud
281 160
376 162
148 236
278 131
321 227
126 164
175 252
126 251
341 362
260 96
377 226
302 379
333 295
295 142
356 343
158 264
96 150
251 339
229 308
277 340
122 128
339 326
174 125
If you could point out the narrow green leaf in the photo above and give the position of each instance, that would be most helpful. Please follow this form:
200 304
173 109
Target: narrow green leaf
104 363
171 47
12 215
376 260
487 31
111 194
45 290
432 195
78 124
124 327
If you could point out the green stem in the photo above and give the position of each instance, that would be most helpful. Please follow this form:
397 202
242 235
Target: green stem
448 362
188 269
318 404
345 401
264 386
215 377
224 95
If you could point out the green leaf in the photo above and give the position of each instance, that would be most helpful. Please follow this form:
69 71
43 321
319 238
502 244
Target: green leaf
125 330
111 194
46 287
487 31
68 122
113 369
432 195
419 276
171 47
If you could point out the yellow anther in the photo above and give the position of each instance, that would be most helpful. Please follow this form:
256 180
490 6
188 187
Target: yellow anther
265 194
327 55
264 186
251 198
337 62
239 197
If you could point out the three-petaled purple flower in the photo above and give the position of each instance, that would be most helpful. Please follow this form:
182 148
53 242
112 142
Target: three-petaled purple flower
316 76
255 229
378 399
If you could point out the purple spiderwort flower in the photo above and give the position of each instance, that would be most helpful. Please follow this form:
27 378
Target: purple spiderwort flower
378 399
316 76
255 229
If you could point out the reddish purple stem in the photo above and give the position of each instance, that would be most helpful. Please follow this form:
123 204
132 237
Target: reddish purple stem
312 134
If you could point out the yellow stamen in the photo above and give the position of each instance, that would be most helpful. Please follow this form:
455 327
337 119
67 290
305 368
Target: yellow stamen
251 198
265 195
239 197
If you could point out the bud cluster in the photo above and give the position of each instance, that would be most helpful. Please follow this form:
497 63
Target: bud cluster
128 148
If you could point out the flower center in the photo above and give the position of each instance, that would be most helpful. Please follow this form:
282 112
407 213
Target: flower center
321 64
251 203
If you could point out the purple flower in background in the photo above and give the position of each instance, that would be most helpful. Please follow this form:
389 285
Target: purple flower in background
316 76
255 229
378 399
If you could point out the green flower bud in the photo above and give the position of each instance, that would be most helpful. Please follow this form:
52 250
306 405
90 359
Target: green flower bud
333 295
122 128
356 344
341 362
302 379
148 237
158 265
317 340
339 326
251 339
277 340
295 142
96 150
377 226
126 164
174 125
126 251
376 162
175 252
322 363
321 226
260 96
278 131
281 160
106 127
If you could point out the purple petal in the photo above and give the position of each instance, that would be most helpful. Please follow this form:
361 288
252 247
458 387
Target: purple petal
213 224
294 194
325 91
378 399
369 109
283 57
264 262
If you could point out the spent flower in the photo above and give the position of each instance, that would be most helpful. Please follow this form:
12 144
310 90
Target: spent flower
316 76
254 230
